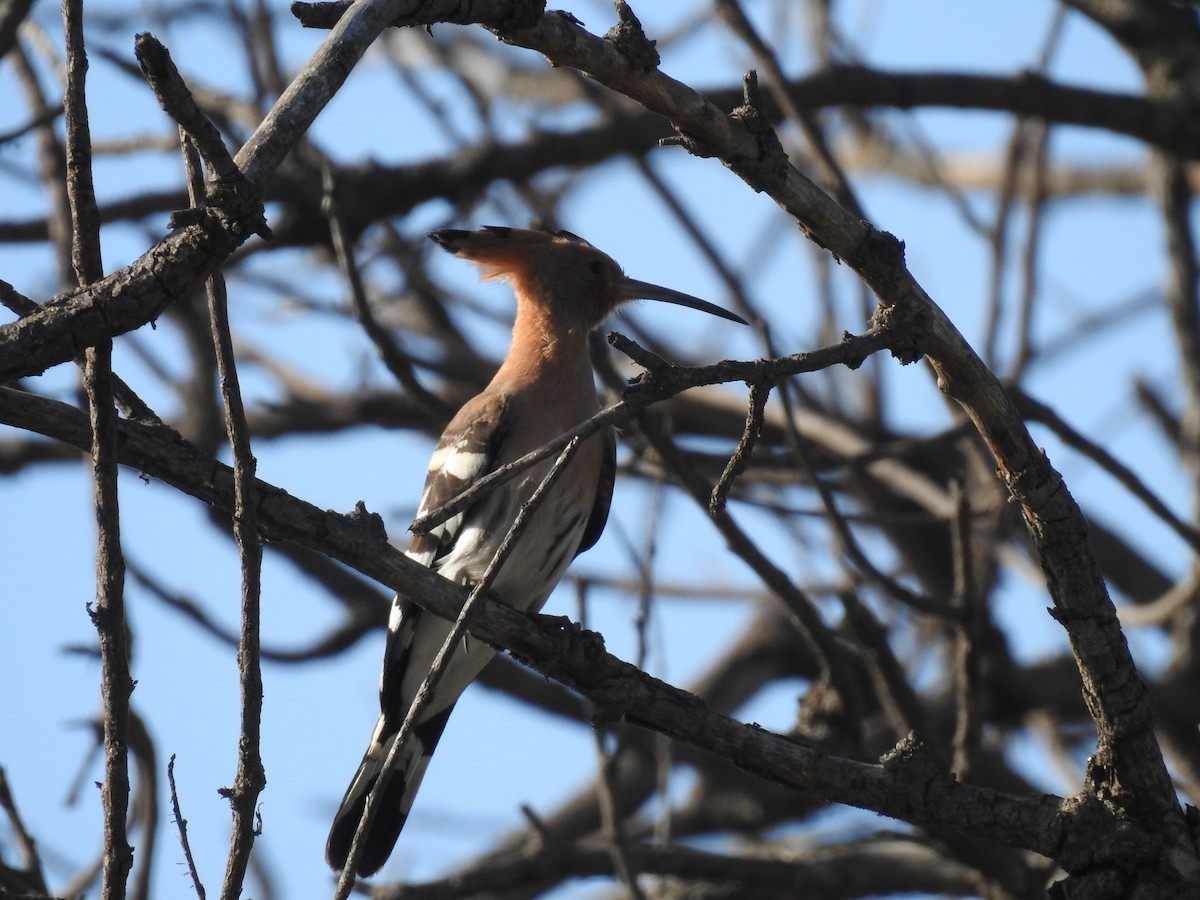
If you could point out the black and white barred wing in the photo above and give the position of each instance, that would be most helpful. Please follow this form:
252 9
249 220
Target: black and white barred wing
468 449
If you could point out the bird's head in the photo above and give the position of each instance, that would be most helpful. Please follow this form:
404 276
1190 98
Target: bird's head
559 274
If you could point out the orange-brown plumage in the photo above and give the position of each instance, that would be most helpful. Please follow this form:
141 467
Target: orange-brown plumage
565 287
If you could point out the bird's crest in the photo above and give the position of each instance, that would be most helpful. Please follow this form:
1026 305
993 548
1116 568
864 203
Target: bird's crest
554 271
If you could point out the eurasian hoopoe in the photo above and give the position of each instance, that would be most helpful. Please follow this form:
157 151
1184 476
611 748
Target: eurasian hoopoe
544 388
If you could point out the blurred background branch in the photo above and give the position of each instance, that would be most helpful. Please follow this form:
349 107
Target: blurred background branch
1037 161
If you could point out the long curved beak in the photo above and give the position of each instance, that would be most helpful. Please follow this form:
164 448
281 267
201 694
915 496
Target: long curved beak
632 289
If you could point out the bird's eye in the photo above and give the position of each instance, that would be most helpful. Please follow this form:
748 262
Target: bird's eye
596 267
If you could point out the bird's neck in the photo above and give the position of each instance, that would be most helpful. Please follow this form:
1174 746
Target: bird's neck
545 345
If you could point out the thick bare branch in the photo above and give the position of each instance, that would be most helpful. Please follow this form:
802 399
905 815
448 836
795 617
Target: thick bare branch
617 689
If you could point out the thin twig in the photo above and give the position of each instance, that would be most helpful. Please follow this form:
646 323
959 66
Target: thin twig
31 862
133 405
361 621
15 301
759 393
802 610
1037 411
606 797
645 568
967 674
1038 194
842 530
651 387
108 614
610 820
397 362
143 806
1028 140
315 85
998 237
1183 301
226 183
85 215
425 692
709 249
50 165
1178 598
892 685
1039 163
766 58
250 778
39 120
177 101
181 824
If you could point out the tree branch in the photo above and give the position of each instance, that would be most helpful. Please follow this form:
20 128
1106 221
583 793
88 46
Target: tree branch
108 614
180 262
903 786
1114 691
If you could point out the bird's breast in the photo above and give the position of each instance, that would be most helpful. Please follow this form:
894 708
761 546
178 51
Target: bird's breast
548 537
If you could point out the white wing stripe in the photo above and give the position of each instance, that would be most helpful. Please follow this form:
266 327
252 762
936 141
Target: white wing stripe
462 464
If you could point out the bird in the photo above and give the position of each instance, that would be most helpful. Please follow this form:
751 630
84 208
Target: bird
544 388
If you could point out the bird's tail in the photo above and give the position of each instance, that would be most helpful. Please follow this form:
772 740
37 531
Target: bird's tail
398 793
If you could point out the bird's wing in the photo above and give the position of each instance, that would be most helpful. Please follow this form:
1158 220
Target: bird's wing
604 491
467 451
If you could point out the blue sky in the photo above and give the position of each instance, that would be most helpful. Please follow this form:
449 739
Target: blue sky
317 717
